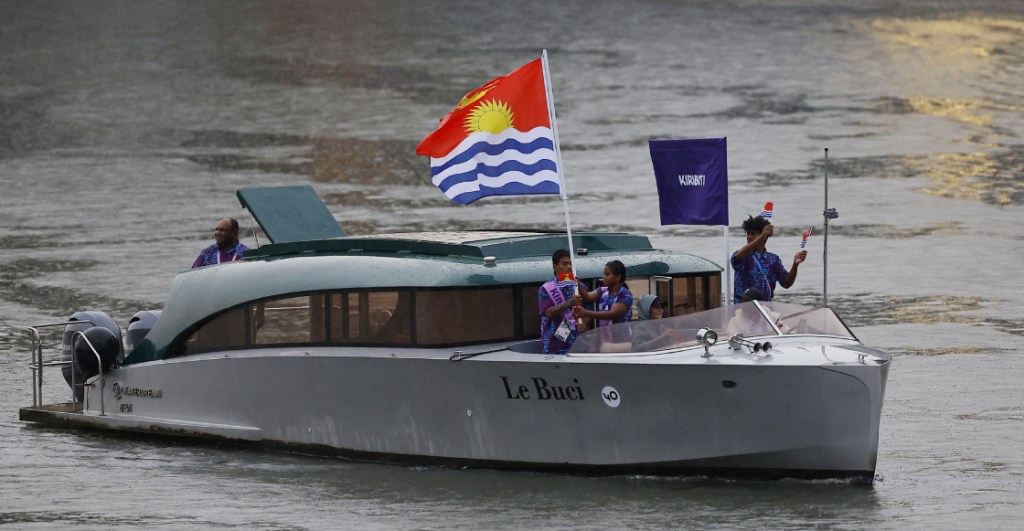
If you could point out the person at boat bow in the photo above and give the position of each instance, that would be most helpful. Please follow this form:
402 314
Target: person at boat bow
226 248
556 299
755 267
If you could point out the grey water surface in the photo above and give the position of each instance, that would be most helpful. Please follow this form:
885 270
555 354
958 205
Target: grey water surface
126 127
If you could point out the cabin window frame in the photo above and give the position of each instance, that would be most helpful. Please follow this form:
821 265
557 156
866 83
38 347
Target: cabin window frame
521 324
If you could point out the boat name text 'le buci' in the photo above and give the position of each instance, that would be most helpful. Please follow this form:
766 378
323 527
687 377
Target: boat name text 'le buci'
543 390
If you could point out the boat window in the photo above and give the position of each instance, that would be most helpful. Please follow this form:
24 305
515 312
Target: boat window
697 293
371 317
652 335
530 326
288 321
224 332
464 316
797 319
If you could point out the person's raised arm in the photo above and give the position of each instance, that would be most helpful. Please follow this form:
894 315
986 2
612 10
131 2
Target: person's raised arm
756 243
791 277
616 311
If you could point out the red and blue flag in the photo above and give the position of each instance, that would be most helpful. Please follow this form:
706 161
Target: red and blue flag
803 243
497 141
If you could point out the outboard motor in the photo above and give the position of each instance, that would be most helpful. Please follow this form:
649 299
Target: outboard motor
138 326
87 359
107 345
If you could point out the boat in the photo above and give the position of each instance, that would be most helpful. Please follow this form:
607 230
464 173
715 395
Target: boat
423 349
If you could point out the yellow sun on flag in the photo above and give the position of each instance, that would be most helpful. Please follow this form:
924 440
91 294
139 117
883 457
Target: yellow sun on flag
492 116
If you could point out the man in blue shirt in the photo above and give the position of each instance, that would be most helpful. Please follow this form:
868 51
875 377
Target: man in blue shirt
227 247
756 267
555 300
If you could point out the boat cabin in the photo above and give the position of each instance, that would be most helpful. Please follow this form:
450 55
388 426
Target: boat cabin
412 290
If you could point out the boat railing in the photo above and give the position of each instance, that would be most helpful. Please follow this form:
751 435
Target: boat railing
38 363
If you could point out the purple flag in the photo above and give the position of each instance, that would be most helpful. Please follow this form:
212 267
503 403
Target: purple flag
693 181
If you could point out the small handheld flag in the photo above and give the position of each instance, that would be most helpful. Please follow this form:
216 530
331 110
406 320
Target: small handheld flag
767 212
566 277
803 243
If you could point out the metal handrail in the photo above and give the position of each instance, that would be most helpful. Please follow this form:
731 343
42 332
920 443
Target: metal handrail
37 362
99 368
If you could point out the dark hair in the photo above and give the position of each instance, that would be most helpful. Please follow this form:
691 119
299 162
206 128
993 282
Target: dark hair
619 269
559 255
752 224
234 224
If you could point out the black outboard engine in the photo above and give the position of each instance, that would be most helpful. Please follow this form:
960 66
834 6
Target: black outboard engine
138 326
73 348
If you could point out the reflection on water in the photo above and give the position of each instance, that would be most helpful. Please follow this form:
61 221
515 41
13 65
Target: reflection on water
960 40
994 178
868 309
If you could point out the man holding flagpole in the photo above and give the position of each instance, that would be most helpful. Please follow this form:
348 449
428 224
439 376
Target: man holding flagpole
755 267
556 300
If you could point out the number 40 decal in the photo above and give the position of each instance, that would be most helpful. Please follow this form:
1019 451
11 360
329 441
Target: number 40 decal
610 396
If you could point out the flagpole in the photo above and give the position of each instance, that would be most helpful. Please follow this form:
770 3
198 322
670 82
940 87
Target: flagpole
728 267
558 159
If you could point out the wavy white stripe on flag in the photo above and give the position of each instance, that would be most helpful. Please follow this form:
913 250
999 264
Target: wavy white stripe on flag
509 183
493 161
505 163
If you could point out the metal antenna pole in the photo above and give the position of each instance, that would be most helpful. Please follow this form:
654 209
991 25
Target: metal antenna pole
829 213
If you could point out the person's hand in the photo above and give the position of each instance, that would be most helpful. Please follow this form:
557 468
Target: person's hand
768 230
799 258
576 300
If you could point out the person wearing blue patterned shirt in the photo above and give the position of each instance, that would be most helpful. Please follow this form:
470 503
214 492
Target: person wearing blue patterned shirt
755 267
614 300
227 247
556 299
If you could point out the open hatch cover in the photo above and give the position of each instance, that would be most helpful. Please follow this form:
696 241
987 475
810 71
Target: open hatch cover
290 213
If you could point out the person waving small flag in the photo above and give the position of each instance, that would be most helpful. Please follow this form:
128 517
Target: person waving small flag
755 266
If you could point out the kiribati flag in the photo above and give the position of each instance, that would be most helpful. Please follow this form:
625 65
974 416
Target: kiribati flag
769 208
497 141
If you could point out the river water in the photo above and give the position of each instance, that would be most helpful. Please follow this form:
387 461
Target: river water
125 129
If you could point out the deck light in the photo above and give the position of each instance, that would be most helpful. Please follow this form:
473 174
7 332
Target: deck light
707 337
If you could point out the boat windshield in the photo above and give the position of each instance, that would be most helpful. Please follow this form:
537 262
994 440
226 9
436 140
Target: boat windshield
681 331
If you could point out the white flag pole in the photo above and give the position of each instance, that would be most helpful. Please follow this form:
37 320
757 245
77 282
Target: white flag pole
728 267
558 160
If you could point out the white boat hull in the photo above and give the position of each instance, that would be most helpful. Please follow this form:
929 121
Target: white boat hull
733 413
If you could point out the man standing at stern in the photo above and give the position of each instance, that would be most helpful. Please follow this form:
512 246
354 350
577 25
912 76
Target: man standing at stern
756 267
227 247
